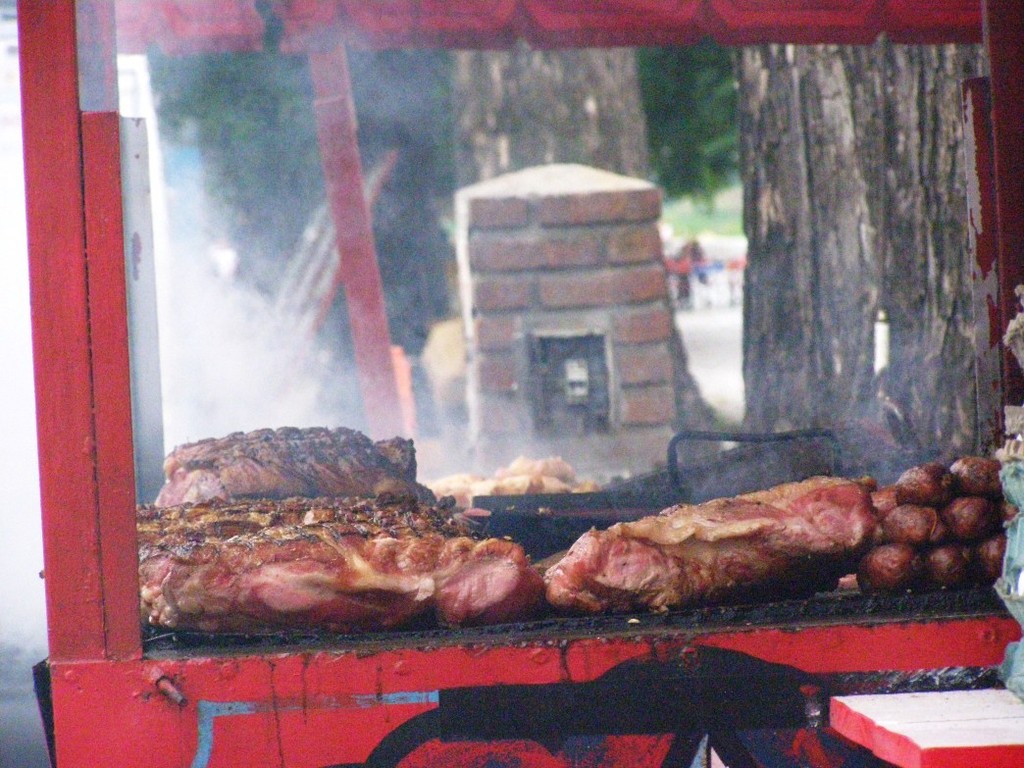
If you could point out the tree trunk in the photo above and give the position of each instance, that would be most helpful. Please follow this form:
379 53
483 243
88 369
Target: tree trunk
523 107
926 284
811 272
853 203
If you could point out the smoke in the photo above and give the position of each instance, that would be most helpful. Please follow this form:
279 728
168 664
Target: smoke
230 361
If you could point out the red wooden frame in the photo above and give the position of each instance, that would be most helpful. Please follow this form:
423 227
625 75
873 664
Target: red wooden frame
114 707
182 26
325 707
339 149
80 595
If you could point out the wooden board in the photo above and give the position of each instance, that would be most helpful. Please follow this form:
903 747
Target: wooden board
948 729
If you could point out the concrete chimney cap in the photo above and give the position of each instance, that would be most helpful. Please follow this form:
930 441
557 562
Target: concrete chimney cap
555 179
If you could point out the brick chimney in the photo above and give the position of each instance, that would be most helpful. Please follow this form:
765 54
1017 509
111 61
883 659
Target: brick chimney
567 318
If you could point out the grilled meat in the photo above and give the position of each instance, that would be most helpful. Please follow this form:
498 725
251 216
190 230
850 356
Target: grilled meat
335 564
285 462
522 476
791 539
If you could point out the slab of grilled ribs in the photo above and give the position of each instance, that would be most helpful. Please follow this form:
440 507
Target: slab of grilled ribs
788 541
333 564
285 462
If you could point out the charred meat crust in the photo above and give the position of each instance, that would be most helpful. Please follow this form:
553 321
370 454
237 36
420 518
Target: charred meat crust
332 564
288 461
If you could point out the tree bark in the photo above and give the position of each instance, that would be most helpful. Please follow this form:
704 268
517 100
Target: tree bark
854 202
523 107
926 284
811 275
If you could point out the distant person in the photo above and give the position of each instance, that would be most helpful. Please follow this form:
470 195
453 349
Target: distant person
734 269
698 259
680 267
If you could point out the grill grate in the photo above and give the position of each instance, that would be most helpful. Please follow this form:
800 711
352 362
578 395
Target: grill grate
825 609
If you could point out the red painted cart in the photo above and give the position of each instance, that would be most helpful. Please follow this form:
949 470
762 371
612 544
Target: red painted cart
613 691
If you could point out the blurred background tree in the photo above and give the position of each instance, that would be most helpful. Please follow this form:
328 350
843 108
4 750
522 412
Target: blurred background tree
689 99
250 116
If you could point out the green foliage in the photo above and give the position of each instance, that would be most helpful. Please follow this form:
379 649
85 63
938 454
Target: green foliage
721 214
251 116
689 96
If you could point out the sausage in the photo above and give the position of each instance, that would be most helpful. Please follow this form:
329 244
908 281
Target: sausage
930 485
884 501
889 568
940 533
977 476
989 556
970 518
910 524
948 565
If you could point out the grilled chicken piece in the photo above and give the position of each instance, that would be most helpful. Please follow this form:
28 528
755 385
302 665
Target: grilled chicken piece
791 539
285 462
335 564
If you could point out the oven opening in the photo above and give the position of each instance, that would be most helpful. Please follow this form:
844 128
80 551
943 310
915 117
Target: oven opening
569 379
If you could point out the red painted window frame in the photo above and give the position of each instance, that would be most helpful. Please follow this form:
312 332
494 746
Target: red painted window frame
79 323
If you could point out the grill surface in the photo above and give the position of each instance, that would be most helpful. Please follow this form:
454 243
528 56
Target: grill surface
819 610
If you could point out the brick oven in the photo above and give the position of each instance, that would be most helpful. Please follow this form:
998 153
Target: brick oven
571 345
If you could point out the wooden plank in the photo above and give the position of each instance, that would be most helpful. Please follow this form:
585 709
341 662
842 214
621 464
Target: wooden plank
946 729
939 707
907 646
108 334
357 266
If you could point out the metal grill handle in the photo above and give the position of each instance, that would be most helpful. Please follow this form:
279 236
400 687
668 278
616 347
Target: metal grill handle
744 437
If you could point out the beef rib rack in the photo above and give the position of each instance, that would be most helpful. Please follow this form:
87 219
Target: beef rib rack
289 461
342 565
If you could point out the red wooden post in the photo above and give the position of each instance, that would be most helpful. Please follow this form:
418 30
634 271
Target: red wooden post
60 326
976 102
357 266
81 382
108 320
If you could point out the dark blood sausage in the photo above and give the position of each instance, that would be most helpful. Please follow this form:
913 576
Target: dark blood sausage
989 558
970 518
910 524
977 476
948 565
929 484
889 568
